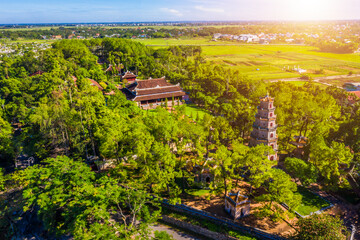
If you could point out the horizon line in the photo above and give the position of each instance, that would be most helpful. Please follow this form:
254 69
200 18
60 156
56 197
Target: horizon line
182 21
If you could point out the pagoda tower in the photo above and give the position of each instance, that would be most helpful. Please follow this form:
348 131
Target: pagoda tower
264 127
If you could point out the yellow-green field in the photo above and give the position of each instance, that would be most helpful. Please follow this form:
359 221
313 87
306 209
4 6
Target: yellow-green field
20 40
268 61
273 61
163 42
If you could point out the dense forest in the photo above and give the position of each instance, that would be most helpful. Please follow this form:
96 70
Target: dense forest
67 126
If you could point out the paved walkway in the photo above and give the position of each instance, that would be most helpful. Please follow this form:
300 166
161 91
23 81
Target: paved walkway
176 233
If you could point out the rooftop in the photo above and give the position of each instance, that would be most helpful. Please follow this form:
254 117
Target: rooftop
267 98
128 75
152 83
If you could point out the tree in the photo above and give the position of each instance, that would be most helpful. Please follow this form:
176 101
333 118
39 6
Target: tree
72 199
222 169
280 189
304 172
6 146
320 227
327 160
2 180
257 163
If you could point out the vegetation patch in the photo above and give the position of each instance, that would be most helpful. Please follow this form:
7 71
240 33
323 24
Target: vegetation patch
208 225
198 192
194 111
310 202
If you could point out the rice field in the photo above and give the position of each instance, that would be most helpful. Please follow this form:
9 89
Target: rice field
277 61
268 61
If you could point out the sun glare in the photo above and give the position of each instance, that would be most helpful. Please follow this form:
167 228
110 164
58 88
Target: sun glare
310 9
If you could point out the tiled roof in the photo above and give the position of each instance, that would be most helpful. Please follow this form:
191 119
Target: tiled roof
237 200
353 98
95 83
160 95
153 83
150 89
36 73
357 93
129 75
267 99
172 88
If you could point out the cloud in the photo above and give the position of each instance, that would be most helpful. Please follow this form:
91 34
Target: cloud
172 11
205 9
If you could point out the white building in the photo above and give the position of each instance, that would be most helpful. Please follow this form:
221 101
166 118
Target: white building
237 205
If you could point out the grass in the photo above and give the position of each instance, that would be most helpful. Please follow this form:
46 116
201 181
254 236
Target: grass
49 41
193 111
302 83
310 202
198 192
179 41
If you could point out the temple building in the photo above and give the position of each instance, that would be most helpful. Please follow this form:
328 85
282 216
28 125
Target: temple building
129 77
151 93
237 205
264 128
202 171
300 142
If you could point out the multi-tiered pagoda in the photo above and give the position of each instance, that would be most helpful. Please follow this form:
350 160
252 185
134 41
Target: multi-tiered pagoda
264 128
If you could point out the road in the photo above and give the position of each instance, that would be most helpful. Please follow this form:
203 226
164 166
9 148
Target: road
317 79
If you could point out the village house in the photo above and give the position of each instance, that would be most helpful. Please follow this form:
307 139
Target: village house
353 90
354 97
237 205
150 93
56 37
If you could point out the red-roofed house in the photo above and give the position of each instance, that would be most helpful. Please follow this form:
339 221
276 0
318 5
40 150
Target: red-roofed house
354 96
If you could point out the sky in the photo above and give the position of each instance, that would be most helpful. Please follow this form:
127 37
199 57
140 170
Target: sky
81 11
